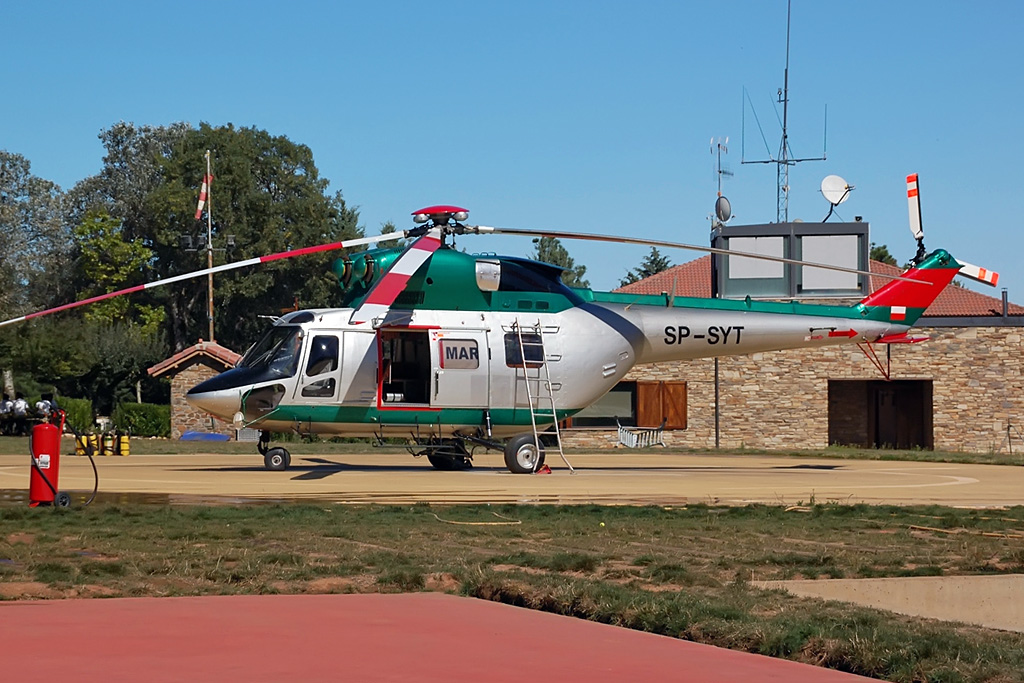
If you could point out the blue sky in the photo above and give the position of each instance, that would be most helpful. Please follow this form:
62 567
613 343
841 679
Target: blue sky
582 116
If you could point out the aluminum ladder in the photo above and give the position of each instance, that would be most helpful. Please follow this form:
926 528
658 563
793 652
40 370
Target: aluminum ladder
542 402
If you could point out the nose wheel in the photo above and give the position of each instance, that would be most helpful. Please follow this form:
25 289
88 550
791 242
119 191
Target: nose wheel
277 459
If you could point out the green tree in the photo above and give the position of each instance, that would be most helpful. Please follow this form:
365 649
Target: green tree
132 169
268 194
108 262
35 252
117 357
35 245
652 263
880 252
550 250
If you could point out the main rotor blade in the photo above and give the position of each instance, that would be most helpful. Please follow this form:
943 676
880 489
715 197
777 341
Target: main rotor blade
675 245
305 251
389 285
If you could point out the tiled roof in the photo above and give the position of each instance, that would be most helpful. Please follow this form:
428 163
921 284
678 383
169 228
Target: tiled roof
209 349
687 279
694 279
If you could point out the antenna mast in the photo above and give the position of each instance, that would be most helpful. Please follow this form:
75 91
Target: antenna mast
782 161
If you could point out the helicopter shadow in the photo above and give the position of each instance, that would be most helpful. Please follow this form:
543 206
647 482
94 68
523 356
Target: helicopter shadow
315 469
321 468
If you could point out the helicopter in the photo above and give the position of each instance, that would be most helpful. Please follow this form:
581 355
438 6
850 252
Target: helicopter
452 351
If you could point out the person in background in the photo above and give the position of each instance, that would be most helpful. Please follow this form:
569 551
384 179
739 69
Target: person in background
6 416
20 413
43 407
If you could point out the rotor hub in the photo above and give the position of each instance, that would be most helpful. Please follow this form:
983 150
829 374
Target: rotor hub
440 216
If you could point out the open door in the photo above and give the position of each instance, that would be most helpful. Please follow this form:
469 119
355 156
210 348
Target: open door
404 363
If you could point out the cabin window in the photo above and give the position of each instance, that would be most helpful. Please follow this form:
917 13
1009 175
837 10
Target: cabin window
460 354
532 347
323 355
322 388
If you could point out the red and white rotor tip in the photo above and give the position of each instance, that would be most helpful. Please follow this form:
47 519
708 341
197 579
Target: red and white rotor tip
989 277
914 204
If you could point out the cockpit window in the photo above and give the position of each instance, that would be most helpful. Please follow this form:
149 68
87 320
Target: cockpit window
277 352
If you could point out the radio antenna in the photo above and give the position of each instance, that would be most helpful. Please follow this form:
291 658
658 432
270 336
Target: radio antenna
723 209
783 160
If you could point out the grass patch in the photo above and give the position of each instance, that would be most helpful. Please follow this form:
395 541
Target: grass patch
558 562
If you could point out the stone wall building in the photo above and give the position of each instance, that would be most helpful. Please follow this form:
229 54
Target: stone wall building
962 390
186 369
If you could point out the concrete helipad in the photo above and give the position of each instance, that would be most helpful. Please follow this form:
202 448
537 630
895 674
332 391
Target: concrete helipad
615 477
989 601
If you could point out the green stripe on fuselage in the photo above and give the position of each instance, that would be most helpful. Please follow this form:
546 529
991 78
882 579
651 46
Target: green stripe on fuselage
371 415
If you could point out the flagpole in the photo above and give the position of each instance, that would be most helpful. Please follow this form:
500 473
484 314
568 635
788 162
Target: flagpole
209 243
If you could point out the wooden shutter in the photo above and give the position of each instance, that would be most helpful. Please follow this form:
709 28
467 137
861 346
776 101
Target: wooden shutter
658 402
648 404
673 404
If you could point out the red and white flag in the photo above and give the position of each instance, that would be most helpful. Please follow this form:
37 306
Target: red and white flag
207 179
898 313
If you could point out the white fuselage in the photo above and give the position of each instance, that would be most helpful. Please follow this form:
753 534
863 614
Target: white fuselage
440 372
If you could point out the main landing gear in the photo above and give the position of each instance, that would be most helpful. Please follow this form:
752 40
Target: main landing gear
446 454
277 459
523 455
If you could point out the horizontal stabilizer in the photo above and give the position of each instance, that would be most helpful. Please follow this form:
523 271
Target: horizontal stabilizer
901 339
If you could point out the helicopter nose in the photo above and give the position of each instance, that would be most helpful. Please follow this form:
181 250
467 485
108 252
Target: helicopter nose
223 403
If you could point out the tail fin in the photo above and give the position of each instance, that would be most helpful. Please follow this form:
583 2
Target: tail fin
903 302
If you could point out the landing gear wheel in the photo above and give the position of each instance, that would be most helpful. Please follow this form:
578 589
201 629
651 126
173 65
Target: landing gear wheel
450 463
277 459
263 445
63 500
523 455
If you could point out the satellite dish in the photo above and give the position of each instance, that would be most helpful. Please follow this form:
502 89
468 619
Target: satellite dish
723 209
835 189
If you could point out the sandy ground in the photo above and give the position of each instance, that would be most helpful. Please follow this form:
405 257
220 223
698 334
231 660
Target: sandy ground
614 477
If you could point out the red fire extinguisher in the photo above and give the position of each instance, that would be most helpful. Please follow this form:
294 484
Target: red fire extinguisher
44 444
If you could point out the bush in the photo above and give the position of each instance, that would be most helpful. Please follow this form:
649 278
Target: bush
143 419
79 413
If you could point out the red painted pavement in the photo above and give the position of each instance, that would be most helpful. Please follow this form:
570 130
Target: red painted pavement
417 637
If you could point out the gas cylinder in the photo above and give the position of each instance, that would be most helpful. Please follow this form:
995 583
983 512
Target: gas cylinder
108 444
121 446
43 477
